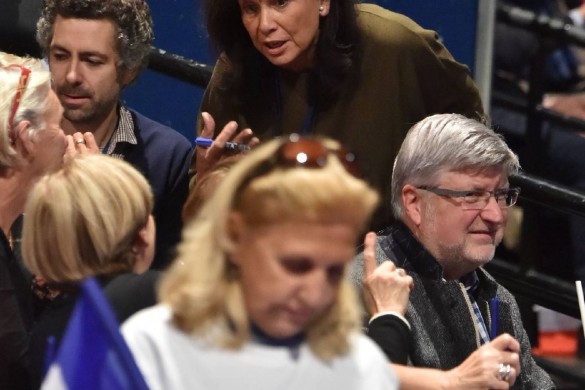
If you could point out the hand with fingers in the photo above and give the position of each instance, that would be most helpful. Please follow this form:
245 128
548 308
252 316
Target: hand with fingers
79 143
386 288
206 158
495 365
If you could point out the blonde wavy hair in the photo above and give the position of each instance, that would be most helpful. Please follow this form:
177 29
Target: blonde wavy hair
82 220
200 287
33 102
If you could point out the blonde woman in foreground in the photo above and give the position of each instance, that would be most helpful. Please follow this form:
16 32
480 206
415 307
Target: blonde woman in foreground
257 297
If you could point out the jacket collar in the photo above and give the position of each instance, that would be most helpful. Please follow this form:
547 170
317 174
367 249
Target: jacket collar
410 254
399 244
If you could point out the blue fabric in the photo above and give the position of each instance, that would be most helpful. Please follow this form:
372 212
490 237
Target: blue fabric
93 354
163 156
262 337
471 283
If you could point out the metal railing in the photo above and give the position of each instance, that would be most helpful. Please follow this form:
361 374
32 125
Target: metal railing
179 67
543 25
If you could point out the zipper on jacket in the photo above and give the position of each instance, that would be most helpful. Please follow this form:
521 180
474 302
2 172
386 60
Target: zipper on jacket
489 317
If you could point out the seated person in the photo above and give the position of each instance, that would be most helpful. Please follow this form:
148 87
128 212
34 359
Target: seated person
91 218
95 49
257 297
450 194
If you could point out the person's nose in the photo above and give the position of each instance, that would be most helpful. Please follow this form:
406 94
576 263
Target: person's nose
317 289
73 75
493 212
267 23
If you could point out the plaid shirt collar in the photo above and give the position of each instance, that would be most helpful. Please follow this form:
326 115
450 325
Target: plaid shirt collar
124 133
471 282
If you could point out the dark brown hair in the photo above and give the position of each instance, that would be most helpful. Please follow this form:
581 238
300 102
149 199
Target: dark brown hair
252 80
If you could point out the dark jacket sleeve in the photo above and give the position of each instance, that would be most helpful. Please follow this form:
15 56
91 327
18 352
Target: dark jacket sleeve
446 85
168 213
13 344
14 339
392 335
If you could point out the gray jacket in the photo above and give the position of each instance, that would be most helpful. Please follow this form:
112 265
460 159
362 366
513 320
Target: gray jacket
444 331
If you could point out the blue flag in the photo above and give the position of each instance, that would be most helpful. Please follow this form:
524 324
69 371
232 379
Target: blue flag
93 354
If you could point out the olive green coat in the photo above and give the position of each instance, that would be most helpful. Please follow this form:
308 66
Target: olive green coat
402 75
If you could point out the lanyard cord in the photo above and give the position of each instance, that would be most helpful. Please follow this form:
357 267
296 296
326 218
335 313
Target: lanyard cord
310 116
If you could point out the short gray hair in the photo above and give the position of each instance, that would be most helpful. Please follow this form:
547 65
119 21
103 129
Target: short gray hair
447 142
131 17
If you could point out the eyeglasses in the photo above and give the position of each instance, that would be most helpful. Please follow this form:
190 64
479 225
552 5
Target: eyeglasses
306 152
477 199
20 88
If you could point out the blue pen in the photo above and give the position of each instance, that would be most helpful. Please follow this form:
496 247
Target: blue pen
494 313
206 142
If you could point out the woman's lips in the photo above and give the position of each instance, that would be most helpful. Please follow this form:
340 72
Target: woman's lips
299 316
275 48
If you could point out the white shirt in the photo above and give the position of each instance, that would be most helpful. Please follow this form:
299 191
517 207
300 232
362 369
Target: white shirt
172 359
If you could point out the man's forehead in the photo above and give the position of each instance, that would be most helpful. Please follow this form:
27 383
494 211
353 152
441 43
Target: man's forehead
475 173
84 35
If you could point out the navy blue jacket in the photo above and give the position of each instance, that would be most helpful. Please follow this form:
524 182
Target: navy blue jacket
163 156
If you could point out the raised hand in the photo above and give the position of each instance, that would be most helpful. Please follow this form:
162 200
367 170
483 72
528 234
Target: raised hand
207 157
80 143
386 288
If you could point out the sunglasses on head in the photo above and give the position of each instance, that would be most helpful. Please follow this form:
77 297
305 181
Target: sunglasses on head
304 152
312 152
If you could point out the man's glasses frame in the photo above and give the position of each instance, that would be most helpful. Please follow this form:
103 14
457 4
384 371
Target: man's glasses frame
478 199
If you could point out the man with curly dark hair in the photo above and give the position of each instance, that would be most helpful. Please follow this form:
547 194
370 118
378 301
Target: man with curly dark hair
96 48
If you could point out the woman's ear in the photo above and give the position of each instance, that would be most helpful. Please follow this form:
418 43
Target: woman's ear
324 7
143 247
236 228
411 202
22 140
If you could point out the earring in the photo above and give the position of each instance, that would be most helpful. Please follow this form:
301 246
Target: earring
321 8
